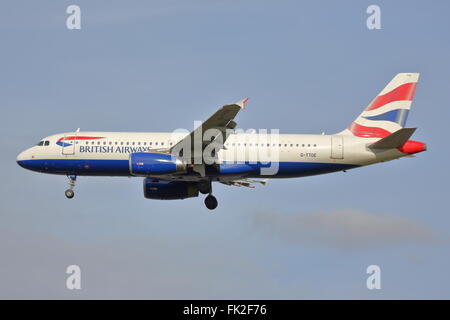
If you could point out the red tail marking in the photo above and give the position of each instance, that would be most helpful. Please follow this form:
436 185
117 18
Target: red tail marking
368 132
403 92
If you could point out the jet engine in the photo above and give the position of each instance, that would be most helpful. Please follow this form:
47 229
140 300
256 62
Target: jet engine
169 190
150 164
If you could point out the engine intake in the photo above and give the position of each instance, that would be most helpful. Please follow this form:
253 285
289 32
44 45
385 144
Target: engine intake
150 164
169 190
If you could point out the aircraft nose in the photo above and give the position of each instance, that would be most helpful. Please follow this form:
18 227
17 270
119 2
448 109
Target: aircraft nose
23 157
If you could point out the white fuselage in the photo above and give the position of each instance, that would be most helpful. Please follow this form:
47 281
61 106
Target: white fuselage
296 155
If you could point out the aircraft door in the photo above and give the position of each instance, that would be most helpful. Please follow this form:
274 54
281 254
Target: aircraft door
337 147
68 144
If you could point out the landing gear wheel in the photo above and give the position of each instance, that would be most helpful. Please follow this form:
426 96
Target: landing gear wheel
211 202
204 187
69 193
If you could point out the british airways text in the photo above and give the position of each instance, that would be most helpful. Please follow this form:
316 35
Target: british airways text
112 149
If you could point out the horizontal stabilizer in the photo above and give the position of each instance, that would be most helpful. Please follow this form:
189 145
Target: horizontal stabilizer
394 140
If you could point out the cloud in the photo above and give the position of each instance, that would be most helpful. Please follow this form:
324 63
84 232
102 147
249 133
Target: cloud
347 229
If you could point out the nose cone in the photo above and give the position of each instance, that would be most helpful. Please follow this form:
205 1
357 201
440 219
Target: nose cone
23 158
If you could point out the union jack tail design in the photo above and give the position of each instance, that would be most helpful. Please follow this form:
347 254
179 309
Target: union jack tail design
386 113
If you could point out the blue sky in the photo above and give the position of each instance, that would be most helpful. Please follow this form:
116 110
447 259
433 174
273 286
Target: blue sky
308 66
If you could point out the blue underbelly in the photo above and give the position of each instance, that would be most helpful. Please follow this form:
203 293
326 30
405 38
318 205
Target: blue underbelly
79 167
121 168
282 169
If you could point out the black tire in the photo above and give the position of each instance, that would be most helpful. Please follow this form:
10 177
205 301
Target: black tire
69 194
211 202
204 187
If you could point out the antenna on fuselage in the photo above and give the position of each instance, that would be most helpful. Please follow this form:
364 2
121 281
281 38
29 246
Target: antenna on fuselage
78 130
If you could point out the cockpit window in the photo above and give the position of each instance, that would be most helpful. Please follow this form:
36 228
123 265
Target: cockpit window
43 143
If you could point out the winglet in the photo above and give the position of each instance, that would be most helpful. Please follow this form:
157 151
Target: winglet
242 103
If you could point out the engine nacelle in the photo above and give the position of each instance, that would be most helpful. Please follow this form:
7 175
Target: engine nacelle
169 190
150 164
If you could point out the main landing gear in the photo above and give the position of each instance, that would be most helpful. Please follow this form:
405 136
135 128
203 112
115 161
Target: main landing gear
205 187
69 192
211 202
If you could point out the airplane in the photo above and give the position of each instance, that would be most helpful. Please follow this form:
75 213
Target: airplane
181 165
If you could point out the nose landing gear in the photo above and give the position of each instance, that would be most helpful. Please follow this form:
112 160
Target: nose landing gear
69 192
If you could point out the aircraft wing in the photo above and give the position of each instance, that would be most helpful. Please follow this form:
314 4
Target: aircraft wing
221 120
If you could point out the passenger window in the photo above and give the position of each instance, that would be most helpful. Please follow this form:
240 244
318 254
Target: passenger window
156 143
315 145
128 143
87 142
292 145
162 143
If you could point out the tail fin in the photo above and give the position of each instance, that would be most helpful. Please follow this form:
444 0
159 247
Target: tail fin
386 113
